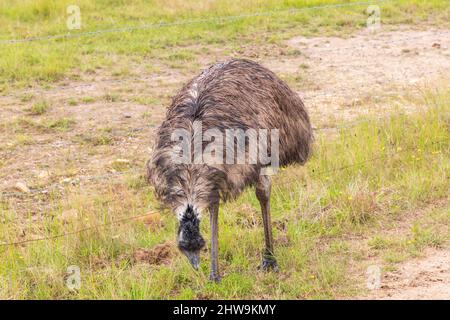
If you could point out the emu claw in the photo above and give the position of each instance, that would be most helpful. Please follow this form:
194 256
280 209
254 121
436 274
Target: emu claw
269 264
214 277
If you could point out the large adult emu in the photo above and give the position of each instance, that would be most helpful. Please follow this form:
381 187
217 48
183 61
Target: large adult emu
237 94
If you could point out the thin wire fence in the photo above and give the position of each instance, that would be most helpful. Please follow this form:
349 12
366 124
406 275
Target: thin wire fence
287 183
98 226
190 22
360 163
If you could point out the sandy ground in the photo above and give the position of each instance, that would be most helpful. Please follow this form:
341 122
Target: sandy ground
425 279
346 72
339 78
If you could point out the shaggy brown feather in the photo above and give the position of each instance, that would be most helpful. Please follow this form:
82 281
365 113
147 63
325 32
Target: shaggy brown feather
230 95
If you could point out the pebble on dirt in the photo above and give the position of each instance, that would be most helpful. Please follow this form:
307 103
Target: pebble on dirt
21 187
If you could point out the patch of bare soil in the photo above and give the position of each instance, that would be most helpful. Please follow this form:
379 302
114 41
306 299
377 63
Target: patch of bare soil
425 279
347 71
159 254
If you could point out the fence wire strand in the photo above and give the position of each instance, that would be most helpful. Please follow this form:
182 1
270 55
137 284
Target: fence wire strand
62 235
189 22
315 173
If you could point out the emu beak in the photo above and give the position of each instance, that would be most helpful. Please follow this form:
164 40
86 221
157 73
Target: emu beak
194 258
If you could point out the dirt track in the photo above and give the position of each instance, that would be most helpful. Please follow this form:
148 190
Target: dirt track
369 67
425 279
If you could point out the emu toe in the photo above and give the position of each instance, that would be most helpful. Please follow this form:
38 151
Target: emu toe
214 277
269 263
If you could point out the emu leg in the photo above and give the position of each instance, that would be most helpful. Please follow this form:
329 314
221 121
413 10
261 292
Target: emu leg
214 217
263 189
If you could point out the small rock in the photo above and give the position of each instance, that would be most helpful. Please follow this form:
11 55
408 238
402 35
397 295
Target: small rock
66 180
68 215
22 187
43 175
436 45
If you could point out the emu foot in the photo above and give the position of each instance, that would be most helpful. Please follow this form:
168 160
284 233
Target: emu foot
214 277
269 263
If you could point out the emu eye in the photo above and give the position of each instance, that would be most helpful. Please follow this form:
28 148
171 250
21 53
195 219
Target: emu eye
176 192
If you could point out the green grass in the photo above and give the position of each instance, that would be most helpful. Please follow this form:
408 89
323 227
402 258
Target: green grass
27 125
393 168
39 108
100 138
430 229
124 53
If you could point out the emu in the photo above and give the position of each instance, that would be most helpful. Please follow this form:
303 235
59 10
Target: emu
237 94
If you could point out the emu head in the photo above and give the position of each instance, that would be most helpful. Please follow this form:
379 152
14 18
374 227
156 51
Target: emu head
190 241
189 190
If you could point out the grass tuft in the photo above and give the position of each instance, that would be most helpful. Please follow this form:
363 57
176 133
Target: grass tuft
39 108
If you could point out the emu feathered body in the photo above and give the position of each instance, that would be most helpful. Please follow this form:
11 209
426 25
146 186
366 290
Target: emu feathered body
234 94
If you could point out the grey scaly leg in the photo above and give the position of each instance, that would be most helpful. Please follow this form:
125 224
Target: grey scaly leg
263 189
214 221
